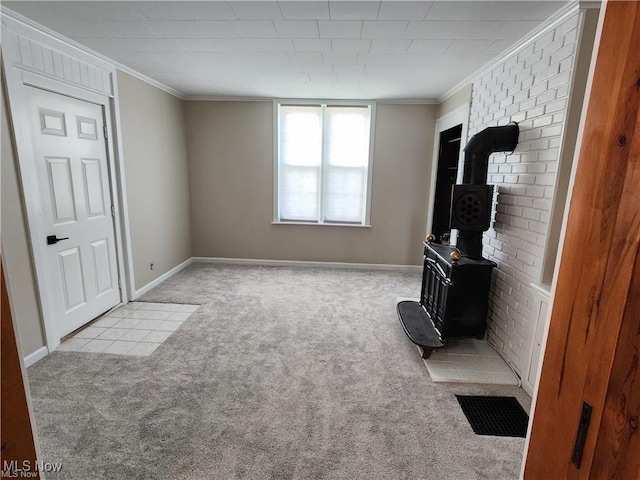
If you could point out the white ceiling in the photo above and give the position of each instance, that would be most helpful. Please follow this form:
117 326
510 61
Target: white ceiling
297 49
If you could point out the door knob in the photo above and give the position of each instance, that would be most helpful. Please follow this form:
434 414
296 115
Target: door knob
52 239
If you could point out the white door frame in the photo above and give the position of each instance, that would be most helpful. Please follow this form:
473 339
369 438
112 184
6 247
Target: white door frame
455 117
35 58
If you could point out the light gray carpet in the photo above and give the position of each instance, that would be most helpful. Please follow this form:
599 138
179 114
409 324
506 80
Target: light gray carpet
282 373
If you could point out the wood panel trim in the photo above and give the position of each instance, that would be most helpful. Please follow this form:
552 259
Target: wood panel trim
16 433
618 442
594 283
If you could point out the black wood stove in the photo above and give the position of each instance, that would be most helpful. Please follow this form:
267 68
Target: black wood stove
456 280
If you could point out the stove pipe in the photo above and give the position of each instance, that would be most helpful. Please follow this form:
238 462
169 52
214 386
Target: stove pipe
476 163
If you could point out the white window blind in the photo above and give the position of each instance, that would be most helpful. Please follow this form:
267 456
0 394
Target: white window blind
323 163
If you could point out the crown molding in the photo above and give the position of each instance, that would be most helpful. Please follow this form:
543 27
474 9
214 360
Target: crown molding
390 101
566 11
408 101
222 98
27 22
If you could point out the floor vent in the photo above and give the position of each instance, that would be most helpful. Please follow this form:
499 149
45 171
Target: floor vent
496 416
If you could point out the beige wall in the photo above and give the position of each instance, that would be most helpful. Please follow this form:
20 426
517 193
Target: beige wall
155 156
230 150
15 246
454 101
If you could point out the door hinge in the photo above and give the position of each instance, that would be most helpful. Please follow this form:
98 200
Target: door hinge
119 284
104 130
113 212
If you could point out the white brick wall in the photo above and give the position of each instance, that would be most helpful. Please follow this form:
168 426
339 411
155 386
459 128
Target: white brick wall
530 87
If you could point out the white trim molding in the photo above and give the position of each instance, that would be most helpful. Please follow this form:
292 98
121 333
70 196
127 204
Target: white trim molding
36 356
385 101
309 264
162 278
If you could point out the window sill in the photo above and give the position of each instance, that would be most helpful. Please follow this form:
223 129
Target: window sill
309 224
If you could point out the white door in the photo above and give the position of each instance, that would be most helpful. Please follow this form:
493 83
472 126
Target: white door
73 183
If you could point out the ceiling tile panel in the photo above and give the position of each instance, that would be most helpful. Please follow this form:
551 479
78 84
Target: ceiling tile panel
469 46
351 77
389 45
89 29
256 10
347 10
513 30
350 45
128 58
384 29
222 58
311 10
376 58
186 10
248 45
312 45
323 77
276 68
429 46
373 69
348 69
254 29
193 29
50 11
208 45
452 30
297 29
339 58
131 29
305 58
339 29
317 68
110 45
470 10
499 46
400 10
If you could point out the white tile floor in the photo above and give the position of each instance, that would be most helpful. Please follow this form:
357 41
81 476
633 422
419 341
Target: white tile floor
136 329
469 361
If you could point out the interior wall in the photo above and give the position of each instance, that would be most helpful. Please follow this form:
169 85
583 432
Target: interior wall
157 179
15 244
230 151
574 113
457 99
531 86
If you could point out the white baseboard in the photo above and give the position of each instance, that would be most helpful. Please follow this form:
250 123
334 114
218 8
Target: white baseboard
35 356
308 264
162 278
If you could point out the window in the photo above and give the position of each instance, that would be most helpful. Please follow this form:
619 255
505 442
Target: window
323 165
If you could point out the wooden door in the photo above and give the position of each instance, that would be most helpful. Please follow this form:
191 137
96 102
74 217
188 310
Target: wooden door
73 178
18 447
593 348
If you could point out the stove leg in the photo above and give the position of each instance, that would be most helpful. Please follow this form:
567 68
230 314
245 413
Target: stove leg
426 352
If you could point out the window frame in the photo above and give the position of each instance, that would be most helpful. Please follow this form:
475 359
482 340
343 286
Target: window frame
366 220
